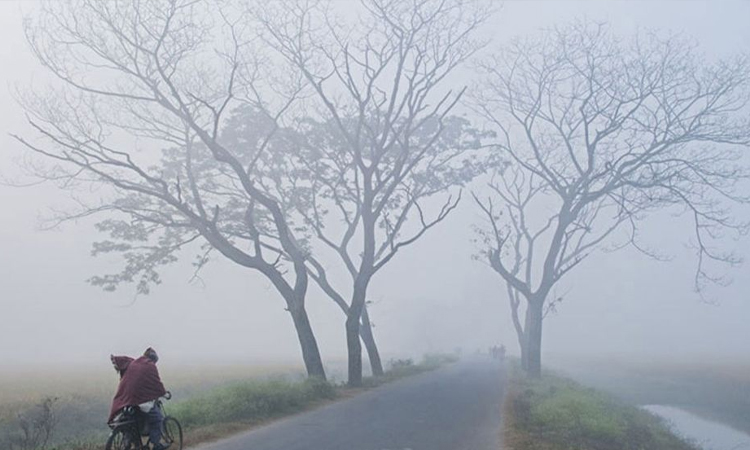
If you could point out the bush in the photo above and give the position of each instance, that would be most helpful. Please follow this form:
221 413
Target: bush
399 363
36 426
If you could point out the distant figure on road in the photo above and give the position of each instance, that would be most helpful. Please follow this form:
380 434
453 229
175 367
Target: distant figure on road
497 352
140 385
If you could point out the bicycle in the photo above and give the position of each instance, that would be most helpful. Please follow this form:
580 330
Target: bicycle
130 426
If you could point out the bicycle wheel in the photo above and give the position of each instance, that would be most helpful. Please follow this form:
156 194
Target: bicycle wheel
121 440
172 433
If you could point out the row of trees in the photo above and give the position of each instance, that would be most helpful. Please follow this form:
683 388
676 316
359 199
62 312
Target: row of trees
282 137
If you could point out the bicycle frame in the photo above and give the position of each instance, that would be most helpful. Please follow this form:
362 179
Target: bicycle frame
134 423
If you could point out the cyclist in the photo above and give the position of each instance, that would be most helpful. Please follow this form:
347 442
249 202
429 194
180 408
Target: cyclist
140 385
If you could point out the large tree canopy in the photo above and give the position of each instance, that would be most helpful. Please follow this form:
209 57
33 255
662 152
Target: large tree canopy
138 77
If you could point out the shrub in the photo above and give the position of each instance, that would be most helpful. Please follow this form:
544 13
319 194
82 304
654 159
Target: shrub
399 363
36 426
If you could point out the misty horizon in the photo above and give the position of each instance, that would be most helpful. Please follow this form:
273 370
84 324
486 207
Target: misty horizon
433 297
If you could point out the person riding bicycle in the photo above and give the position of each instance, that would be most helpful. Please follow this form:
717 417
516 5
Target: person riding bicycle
140 385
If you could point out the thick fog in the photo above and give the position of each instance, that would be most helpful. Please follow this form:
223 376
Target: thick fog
432 297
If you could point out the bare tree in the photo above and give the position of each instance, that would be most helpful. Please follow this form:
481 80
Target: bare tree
146 90
378 138
334 184
599 133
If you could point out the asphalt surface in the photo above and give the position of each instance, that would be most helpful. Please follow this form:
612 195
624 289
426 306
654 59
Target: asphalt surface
457 407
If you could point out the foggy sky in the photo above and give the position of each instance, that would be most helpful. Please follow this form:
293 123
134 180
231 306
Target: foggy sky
432 296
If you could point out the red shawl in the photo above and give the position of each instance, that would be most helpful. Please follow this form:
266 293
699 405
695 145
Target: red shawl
139 383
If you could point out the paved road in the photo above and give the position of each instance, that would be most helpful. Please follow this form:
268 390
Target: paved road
453 408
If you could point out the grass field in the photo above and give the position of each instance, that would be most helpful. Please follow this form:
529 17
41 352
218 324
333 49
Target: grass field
209 402
718 391
556 413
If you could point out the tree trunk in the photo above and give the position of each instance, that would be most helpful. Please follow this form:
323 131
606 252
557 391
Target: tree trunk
533 338
307 341
365 330
353 318
368 339
524 352
524 339
515 301
354 350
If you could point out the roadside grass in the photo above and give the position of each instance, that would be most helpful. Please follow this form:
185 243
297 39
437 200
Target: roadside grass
251 401
718 391
556 413
207 410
